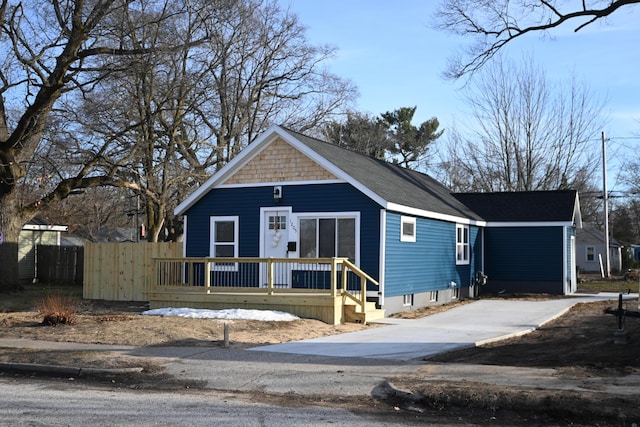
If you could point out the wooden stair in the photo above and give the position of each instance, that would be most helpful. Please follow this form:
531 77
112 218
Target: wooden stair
353 312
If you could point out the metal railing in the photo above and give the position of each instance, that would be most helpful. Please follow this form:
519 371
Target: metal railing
269 276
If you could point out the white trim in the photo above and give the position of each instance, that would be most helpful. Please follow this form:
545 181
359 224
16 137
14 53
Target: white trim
574 279
34 227
337 215
466 246
271 184
432 215
236 242
408 220
565 273
383 255
184 240
530 224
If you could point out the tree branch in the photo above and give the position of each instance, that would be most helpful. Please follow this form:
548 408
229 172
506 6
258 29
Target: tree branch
478 19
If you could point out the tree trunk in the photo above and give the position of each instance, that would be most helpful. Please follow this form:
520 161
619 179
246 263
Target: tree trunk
11 222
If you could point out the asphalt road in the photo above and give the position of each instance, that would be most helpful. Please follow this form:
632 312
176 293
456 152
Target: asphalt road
56 403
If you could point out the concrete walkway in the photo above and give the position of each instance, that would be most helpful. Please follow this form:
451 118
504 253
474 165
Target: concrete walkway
465 326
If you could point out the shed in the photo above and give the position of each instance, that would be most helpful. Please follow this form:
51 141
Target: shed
36 232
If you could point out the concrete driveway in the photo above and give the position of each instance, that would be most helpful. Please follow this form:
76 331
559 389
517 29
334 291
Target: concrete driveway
465 326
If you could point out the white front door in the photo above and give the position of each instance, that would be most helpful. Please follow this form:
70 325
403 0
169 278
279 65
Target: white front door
275 238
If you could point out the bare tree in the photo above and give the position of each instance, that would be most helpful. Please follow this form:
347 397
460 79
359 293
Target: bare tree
172 116
525 134
262 71
51 49
493 24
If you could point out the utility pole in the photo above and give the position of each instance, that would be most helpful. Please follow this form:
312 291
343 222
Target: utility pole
605 198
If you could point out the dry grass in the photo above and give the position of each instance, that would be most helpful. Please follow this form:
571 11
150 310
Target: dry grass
57 309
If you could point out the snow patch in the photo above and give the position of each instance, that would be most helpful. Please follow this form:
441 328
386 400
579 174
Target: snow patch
235 314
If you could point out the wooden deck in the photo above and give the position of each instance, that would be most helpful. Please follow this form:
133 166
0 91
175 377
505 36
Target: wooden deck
332 290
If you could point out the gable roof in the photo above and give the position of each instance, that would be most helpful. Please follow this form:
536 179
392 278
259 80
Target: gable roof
406 191
590 233
393 187
401 189
560 206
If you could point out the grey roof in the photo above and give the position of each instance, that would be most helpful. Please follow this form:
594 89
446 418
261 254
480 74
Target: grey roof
590 233
391 182
525 206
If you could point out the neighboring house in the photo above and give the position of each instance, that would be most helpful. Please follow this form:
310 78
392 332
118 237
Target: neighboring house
291 196
36 232
590 250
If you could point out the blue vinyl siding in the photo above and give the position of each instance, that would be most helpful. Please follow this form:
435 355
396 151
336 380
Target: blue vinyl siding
524 254
429 263
246 203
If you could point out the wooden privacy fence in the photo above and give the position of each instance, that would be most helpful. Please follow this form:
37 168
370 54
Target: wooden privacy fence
123 271
60 264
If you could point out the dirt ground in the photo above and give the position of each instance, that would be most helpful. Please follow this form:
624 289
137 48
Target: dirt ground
577 345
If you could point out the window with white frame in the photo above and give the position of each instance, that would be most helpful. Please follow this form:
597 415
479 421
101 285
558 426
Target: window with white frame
462 244
328 237
407 229
590 253
433 296
407 300
224 241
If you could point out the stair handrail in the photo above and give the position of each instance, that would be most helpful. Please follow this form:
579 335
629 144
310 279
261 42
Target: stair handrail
364 277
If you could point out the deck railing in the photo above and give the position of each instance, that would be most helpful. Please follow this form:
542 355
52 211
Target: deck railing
270 276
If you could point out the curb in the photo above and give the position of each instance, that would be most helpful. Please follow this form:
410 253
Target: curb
67 370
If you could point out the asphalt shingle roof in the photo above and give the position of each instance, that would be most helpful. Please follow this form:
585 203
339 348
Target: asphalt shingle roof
414 189
525 206
393 183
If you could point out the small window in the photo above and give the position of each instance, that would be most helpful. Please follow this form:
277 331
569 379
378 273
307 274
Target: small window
591 253
433 297
407 229
277 222
407 300
224 241
462 244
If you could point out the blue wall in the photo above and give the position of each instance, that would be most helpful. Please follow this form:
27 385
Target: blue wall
429 263
514 253
246 203
525 259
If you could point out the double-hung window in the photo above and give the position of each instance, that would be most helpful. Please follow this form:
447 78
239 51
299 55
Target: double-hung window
328 237
462 244
224 241
591 253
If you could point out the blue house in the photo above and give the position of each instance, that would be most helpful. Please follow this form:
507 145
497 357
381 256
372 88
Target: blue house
291 196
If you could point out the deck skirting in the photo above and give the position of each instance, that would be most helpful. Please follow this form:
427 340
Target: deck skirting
320 306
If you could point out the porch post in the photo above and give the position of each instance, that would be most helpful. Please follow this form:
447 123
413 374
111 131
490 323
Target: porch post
334 277
270 276
207 276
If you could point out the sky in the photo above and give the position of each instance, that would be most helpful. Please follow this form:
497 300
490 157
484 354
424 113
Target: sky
391 51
